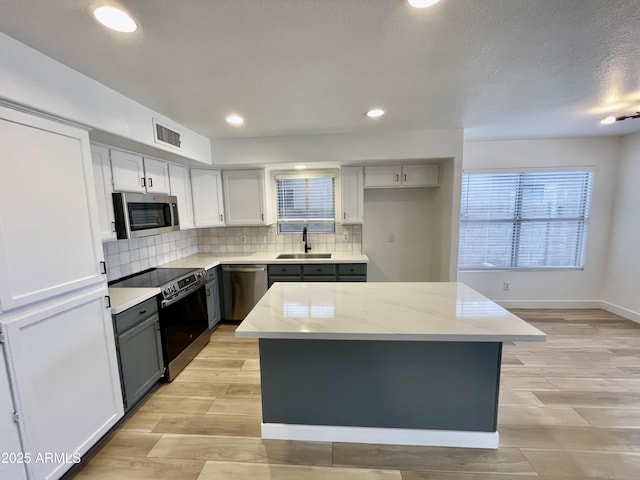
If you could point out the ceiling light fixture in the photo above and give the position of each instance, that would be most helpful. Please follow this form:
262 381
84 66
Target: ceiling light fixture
235 120
375 113
299 167
612 119
422 3
115 19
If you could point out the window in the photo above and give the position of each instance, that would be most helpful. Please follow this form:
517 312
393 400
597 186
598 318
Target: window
524 220
306 201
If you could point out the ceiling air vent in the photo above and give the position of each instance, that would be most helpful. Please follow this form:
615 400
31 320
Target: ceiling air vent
166 136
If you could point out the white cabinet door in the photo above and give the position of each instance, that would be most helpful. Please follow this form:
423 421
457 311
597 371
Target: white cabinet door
104 188
382 176
9 439
420 175
49 241
128 172
352 195
206 186
62 361
244 197
157 174
181 188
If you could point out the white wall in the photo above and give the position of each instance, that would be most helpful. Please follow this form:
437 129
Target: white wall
622 286
412 217
553 288
31 79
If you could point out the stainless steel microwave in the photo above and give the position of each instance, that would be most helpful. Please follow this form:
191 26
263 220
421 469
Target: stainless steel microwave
140 215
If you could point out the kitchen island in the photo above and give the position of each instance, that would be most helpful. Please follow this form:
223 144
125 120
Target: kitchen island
394 363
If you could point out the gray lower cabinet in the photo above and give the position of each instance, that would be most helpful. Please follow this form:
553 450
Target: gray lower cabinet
139 350
214 310
318 272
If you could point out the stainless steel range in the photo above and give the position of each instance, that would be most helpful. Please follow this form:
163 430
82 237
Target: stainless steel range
182 311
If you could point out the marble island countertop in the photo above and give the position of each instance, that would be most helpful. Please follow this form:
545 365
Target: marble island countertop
434 311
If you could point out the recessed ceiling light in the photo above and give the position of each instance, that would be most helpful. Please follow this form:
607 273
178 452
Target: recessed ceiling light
115 19
235 120
299 167
422 3
375 113
607 121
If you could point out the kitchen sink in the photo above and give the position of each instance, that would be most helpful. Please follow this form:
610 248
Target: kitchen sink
288 256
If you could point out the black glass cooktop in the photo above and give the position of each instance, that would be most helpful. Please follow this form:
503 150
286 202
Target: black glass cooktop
154 277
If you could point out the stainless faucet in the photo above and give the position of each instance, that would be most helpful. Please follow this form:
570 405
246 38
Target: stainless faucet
307 247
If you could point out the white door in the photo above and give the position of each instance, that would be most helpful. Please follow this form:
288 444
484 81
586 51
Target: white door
244 197
382 176
352 195
62 361
12 455
128 172
181 188
104 188
207 198
420 175
157 174
49 241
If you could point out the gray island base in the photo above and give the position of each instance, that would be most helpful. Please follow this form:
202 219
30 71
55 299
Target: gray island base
422 376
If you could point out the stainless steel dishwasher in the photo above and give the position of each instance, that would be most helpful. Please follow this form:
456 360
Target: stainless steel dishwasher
242 287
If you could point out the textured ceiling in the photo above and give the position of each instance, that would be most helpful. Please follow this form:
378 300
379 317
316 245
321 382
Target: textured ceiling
497 68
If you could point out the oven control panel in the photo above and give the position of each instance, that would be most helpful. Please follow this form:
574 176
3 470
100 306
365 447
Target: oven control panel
182 286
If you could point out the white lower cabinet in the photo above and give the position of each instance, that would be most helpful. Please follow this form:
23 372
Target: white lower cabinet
62 366
11 455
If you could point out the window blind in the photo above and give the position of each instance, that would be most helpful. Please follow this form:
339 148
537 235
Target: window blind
524 220
306 202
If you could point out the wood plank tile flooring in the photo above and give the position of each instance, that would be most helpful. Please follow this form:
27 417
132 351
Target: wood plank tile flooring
569 409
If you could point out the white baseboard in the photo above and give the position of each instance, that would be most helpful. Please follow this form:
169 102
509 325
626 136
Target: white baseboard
549 303
386 436
623 312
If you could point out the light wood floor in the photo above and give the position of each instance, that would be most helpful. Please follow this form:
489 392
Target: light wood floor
569 409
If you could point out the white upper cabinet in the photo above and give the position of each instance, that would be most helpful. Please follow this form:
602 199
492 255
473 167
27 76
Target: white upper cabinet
425 175
244 197
157 175
386 176
63 366
104 188
208 209
128 172
382 176
49 241
181 188
352 195
132 173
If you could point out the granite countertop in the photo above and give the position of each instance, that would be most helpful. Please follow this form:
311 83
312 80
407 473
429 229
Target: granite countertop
125 298
210 260
430 311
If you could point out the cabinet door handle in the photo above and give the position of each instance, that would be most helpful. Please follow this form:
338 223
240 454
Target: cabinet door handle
150 182
144 182
208 292
113 227
221 217
142 312
344 215
405 177
108 300
397 177
262 216
103 270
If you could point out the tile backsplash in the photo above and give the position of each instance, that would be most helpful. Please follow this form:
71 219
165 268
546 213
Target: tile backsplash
125 257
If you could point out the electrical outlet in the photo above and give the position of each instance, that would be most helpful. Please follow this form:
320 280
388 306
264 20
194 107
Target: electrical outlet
243 239
392 238
506 286
346 236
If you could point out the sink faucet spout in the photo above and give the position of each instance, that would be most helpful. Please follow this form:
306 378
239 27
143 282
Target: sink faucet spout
307 247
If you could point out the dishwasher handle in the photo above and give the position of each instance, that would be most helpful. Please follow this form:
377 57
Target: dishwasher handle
244 269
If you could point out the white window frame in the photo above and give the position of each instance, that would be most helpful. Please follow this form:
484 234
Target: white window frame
300 174
584 219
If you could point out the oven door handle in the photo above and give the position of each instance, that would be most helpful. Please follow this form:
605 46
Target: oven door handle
185 293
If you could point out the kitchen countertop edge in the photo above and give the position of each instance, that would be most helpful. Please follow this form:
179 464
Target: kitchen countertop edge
125 298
